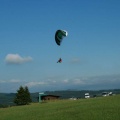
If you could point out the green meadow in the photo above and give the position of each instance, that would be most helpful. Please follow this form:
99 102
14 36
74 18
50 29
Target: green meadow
101 108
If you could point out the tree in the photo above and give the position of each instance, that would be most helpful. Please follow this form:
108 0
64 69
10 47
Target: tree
28 98
22 96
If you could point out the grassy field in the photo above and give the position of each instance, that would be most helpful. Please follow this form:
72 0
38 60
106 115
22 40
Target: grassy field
102 108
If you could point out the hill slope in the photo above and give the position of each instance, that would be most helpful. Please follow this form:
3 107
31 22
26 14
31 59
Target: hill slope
101 108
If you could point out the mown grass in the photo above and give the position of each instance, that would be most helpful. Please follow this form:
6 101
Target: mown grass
103 108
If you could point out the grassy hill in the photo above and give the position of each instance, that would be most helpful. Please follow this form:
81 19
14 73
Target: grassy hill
101 108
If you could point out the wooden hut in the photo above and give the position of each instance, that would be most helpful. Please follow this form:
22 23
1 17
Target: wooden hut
49 97
44 97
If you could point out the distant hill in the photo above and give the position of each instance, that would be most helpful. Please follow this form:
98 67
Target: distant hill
7 98
65 94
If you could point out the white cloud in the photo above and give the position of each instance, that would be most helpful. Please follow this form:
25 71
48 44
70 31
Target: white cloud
78 82
33 84
54 83
17 59
10 81
65 81
14 81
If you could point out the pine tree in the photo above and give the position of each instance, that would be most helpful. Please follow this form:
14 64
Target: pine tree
28 98
22 96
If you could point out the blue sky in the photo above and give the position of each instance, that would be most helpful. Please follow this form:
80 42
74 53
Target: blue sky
90 52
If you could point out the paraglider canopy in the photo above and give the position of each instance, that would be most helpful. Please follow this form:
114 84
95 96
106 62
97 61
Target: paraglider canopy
59 35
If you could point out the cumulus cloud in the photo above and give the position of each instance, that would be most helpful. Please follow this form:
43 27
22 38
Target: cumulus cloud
17 59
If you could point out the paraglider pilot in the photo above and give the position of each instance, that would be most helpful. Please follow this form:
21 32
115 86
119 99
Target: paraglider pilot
59 61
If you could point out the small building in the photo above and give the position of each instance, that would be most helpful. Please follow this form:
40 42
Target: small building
44 97
49 97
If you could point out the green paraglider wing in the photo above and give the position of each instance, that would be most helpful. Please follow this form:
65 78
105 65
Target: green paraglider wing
59 35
